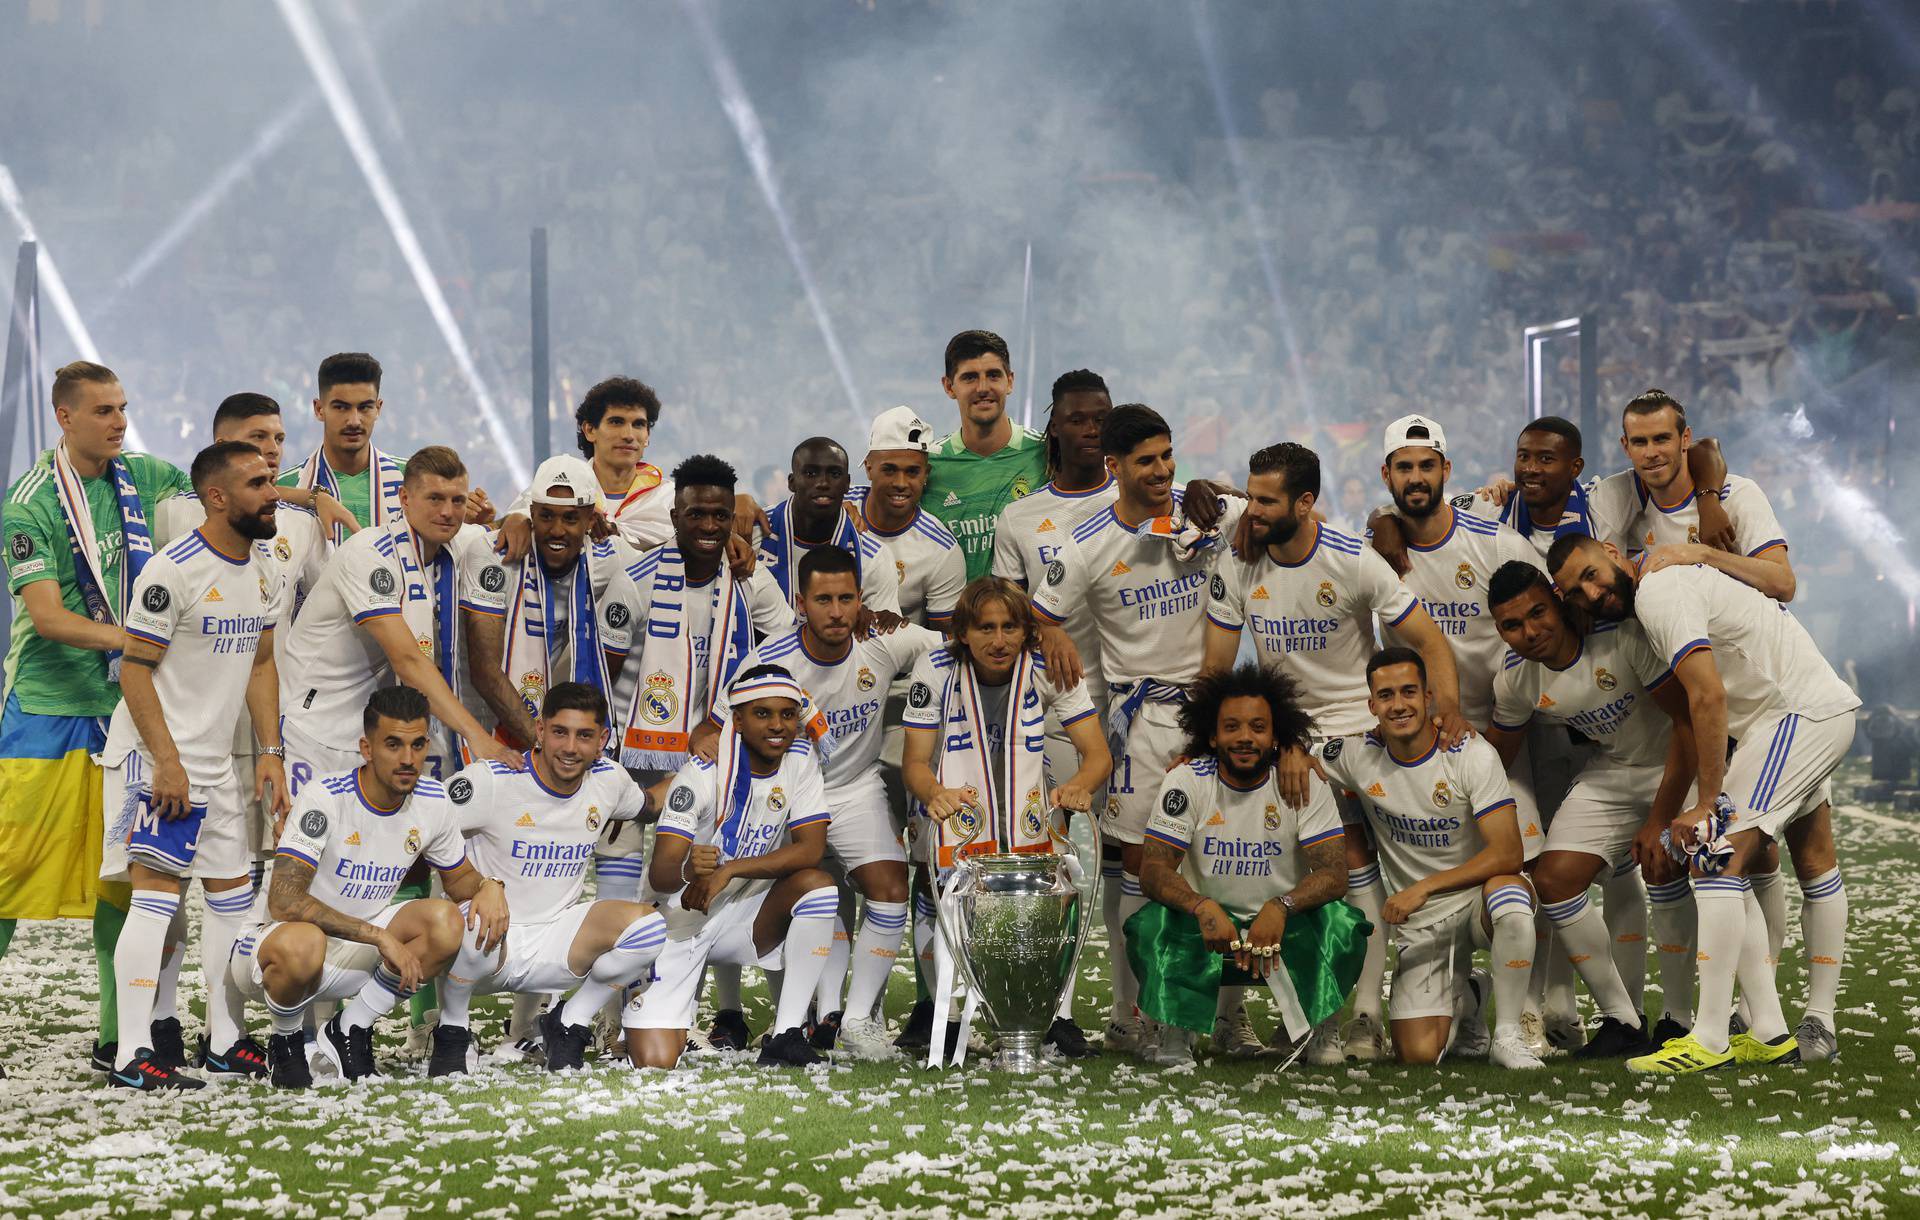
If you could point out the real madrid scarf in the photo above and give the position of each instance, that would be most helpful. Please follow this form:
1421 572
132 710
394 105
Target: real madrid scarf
383 492
430 603
89 568
1575 519
781 551
529 652
660 721
1018 818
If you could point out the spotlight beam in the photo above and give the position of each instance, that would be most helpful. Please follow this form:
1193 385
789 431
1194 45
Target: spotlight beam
306 31
56 286
753 142
1249 200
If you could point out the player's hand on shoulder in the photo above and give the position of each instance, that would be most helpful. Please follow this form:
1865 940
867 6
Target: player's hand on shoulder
515 538
1389 541
1062 658
499 752
1296 768
1451 727
704 742
1675 555
1716 527
479 507
877 622
1496 492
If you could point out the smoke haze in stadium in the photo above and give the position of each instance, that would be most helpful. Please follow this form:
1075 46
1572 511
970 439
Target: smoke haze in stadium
1411 186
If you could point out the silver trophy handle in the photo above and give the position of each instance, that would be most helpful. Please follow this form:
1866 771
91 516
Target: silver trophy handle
1090 898
949 933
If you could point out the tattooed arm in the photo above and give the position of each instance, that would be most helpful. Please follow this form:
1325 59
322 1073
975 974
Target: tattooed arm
1161 880
289 902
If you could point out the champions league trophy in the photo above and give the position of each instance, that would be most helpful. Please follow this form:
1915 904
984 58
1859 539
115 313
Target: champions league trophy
1014 924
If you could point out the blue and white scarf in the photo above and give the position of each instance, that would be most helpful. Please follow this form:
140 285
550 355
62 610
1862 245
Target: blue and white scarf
1018 812
660 720
387 475
89 570
781 551
529 651
1576 518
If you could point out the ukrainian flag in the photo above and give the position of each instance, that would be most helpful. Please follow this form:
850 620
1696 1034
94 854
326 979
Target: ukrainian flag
50 822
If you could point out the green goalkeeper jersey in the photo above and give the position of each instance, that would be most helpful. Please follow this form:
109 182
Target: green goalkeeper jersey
967 491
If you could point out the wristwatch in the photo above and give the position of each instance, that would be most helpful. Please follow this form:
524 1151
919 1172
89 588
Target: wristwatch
1286 900
279 752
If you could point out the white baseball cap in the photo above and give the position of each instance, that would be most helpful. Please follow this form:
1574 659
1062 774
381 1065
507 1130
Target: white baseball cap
1415 430
565 470
899 428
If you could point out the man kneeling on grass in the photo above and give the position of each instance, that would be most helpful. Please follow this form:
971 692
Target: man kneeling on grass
1245 888
736 870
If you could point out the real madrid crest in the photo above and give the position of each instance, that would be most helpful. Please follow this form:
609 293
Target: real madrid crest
426 646
658 703
900 569
1030 817
1272 818
282 550
533 684
413 840
1442 795
593 817
865 679
776 800
1693 533
1463 576
265 596
1325 595
1605 680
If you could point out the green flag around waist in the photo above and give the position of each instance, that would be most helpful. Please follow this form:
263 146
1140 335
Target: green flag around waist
1180 979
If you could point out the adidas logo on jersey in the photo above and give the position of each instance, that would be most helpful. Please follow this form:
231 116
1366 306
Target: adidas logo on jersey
353 840
1545 701
951 501
1259 593
525 822
1374 789
1045 527
213 594
1120 568
1217 819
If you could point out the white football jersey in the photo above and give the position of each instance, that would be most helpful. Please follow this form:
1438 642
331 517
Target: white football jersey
1066 707
1768 663
851 692
1425 814
929 560
879 579
1650 523
360 854
1148 605
792 797
332 664
1601 694
1030 534
1243 845
208 610
1313 621
536 840
1450 579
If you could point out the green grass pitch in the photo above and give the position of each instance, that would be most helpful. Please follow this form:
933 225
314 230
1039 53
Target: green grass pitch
1107 1137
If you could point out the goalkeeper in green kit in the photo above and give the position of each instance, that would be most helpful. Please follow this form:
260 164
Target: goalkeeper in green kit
1245 889
989 461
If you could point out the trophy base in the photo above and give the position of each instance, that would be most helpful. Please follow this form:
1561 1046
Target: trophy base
1020 1054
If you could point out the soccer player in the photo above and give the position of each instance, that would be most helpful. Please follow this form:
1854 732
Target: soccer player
975 755
199 646
77 538
987 462
1450 847
815 515
365 481
932 567
1310 595
1140 572
1592 685
736 868
694 624
1026 538
1750 671
570 604
391 605
1451 554
615 423
334 931
1226 846
847 677
534 829
1661 499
